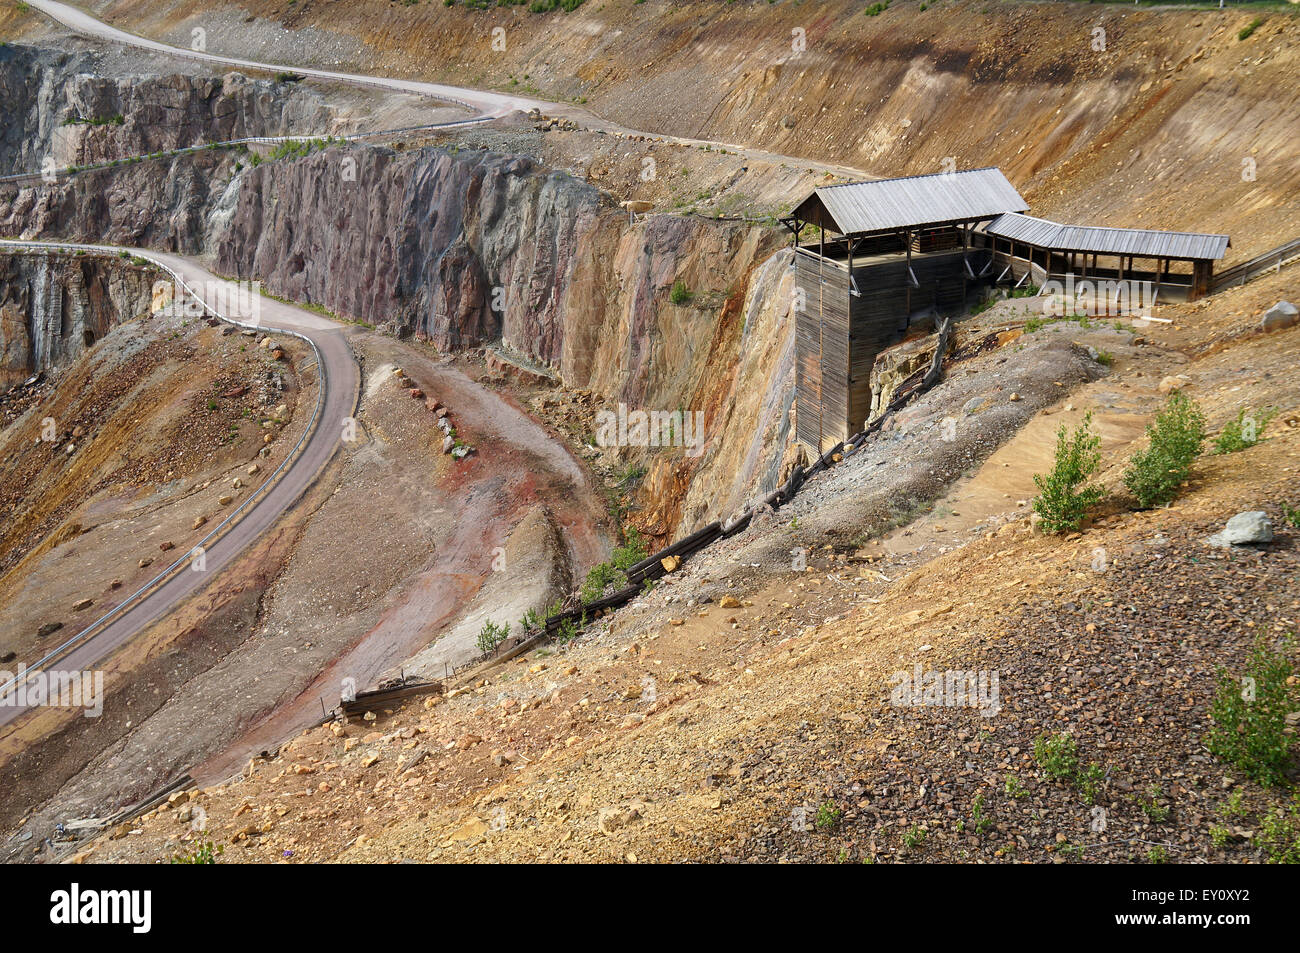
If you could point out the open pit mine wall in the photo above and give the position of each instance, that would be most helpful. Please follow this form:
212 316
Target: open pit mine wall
462 247
56 106
469 247
53 308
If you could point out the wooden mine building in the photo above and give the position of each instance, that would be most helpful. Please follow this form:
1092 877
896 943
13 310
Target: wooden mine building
871 258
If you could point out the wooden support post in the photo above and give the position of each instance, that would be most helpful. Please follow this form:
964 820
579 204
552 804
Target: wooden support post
907 279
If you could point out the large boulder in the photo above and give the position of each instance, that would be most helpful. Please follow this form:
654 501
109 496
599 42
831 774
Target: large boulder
1244 529
1282 315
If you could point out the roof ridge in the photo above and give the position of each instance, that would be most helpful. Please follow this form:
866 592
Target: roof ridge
1162 231
904 178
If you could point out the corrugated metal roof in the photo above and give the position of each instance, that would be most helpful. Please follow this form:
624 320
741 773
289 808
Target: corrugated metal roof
883 204
1144 242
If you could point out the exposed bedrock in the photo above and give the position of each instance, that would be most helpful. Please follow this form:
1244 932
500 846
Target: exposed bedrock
55 106
53 308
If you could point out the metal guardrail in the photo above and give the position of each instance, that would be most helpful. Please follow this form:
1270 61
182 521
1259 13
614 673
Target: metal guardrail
248 502
1269 261
232 143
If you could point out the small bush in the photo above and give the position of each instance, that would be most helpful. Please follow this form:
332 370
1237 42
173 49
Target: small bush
876 9
1291 514
828 815
1279 834
1064 497
680 294
1014 788
1245 32
1057 755
203 852
492 635
1156 812
1155 474
602 576
1244 432
1249 715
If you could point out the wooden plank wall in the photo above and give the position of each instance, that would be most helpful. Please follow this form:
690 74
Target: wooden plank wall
821 352
880 314
832 369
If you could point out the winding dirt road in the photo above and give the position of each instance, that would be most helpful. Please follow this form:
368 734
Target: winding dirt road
339 383
488 104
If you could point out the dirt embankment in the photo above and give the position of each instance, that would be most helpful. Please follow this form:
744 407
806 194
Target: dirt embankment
1154 121
743 710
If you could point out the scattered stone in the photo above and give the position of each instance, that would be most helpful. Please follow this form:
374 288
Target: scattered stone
198 521
48 629
1170 384
1244 529
167 545
81 604
1277 318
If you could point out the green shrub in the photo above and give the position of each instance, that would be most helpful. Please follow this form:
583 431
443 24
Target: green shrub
1156 812
1291 514
614 573
1064 498
876 9
828 815
492 635
680 294
979 815
1244 432
1155 474
1245 32
203 852
1279 834
1057 755
1249 715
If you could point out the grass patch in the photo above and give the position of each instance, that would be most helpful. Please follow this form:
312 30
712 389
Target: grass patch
1249 714
1243 432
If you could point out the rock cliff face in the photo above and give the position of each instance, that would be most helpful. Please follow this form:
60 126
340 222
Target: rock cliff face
460 247
469 248
53 308
55 106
